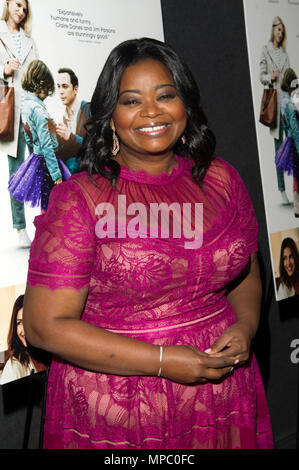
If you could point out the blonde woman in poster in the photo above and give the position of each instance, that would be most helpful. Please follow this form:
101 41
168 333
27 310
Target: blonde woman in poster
18 50
273 63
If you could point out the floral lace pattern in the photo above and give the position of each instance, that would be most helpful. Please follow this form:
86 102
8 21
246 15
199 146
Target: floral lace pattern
158 291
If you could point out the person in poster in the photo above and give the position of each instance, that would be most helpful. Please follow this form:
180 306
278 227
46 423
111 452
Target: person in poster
288 269
41 171
18 50
72 129
273 63
22 359
290 118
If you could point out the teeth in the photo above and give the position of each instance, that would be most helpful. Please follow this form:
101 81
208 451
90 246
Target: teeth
152 129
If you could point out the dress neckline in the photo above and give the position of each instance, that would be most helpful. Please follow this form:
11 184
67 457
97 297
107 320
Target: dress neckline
142 176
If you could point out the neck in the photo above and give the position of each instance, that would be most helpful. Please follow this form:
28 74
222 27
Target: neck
152 164
12 26
276 44
70 106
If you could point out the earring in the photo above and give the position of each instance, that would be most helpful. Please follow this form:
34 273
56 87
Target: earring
183 139
115 148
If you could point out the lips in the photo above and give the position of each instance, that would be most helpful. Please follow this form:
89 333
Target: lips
153 130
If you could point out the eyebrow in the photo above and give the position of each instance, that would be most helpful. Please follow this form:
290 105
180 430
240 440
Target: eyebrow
158 87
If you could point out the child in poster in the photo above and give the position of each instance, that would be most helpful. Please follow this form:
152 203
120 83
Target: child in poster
35 178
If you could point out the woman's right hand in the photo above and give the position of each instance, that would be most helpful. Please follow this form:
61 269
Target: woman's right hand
11 67
275 75
186 364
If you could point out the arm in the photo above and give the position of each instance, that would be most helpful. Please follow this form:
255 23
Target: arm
72 142
59 329
46 145
293 123
60 266
265 76
245 298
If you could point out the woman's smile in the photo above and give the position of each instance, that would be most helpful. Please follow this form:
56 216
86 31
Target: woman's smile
153 130
149 117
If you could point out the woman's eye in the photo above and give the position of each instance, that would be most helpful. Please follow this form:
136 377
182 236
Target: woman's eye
130 102
167 96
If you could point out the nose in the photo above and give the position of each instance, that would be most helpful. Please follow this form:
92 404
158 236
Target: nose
150 109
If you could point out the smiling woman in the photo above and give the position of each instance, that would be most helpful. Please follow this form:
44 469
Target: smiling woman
151 337
289 269
149 117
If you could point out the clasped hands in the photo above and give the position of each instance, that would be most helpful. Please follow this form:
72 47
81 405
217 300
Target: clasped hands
186 364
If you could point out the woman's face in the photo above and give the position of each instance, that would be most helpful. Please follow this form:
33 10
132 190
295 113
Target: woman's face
20 328
149 116
288 261
278 33
17 10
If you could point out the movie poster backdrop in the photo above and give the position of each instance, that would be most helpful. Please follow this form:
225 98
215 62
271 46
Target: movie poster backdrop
260 16
76 35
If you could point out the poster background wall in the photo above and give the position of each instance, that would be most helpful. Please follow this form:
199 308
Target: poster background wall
259 15
77 35
210 35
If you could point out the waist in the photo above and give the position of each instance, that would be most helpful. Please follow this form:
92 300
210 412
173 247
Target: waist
169 327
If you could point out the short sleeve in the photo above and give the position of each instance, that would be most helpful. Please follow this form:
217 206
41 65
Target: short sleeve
62 253
246 214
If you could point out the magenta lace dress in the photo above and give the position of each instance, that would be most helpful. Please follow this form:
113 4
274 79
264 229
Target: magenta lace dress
157 291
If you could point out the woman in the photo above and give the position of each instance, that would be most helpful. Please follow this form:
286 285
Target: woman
22 359
290 119
15 56
35 178
148 350
288 269
273 63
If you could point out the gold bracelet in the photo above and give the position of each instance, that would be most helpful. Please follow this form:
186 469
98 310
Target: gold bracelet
161 359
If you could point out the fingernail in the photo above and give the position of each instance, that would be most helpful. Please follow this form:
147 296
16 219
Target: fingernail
207 351
231 369
237 361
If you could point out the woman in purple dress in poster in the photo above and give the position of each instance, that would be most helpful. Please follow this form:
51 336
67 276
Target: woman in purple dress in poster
150 331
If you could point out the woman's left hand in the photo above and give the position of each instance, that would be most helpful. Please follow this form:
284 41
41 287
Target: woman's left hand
234 342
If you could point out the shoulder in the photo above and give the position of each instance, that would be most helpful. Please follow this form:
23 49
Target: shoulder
222 170
81 190
284 292
26 36
265 47
3 27
13 370
85 107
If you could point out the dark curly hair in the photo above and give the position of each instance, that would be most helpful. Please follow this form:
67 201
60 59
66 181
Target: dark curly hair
96 157
284 277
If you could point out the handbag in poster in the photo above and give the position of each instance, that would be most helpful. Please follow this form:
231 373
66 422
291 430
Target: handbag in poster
7 106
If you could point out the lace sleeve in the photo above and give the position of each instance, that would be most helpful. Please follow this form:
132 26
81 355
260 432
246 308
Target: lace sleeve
62 252
246 214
